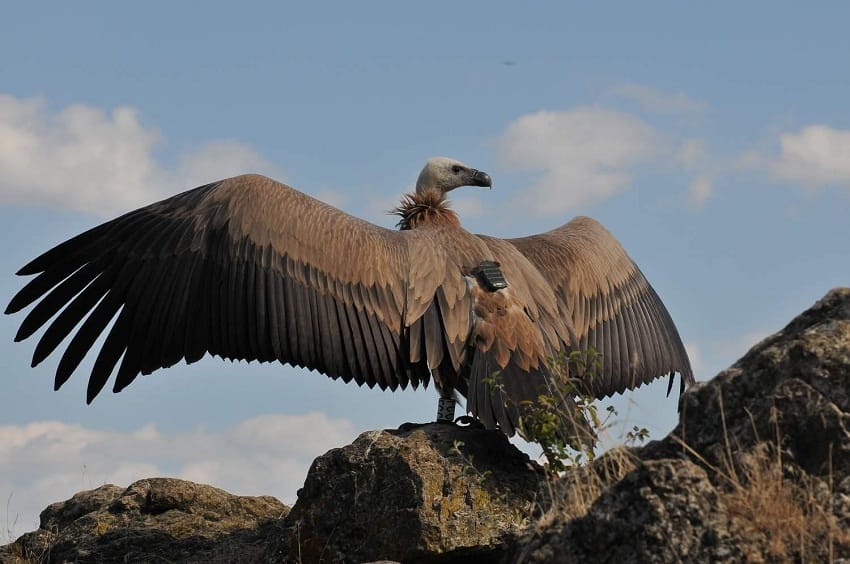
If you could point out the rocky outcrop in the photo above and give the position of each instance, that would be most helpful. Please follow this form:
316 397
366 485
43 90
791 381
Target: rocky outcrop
758 469
434 493
153 520
663 511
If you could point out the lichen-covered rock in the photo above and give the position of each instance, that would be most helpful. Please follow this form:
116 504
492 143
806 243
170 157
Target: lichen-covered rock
663 511
434 493
794 386
758 468
157 519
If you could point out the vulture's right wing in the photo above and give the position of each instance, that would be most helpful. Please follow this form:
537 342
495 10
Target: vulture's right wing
610 304
246 268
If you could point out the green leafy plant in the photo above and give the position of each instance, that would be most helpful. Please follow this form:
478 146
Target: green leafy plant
566 419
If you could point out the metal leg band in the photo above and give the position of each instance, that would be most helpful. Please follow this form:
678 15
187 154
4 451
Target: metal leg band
446 409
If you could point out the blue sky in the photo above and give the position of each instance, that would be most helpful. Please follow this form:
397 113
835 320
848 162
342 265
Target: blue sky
713 140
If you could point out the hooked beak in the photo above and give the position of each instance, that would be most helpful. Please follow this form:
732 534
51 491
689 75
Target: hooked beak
479 178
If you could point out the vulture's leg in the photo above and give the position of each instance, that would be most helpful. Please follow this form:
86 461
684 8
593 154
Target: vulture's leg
446 407
445 411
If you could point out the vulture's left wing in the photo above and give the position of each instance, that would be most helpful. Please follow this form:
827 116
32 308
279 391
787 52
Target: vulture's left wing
245 268
612 307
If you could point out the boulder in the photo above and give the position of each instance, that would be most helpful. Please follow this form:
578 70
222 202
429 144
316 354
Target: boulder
662 511
157 519
434 493
793 387
758 468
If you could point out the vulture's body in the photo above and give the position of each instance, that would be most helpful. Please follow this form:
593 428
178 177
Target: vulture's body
249 268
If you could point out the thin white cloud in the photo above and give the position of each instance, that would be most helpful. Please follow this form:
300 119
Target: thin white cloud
47 461
737 347
693 156
468 206
659 101
336 198
216 160
97 161
816 155
695 356
692 153
583 155
700 190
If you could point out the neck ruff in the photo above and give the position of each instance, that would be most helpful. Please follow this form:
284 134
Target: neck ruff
430 208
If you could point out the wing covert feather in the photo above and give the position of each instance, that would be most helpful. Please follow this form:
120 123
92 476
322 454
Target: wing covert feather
610 305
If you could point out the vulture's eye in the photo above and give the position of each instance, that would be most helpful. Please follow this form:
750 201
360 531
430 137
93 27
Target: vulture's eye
456 169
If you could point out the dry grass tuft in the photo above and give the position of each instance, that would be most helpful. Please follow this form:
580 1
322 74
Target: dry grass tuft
791 510
783 510
572 493
793 516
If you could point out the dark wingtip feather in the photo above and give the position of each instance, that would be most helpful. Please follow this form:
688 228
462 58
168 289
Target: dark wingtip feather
74 247
120 385
30 268
19 301
92 391
27 328
41 352
62 376
43 261
12 307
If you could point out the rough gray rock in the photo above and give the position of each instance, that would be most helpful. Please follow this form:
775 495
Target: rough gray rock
436 493
794 385
158 519
663 511
758 468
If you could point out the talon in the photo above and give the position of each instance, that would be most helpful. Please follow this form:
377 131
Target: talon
468 421
409 426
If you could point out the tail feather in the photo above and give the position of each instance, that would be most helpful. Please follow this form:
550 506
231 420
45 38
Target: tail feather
506 398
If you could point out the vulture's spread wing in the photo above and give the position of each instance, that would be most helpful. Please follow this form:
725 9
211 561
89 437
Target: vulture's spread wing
611 306
246 268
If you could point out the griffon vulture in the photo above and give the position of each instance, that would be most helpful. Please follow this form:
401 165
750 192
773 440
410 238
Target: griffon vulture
249 268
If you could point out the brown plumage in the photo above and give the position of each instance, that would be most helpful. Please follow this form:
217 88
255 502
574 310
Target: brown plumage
248 268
